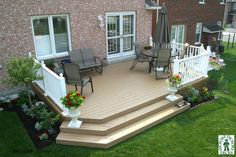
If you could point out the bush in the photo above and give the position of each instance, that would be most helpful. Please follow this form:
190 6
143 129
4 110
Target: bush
45 118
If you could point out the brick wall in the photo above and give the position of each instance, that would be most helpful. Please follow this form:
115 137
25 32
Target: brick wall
16 31
189 12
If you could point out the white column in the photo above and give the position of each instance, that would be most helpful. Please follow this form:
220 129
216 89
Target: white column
63 93
44 81
176 66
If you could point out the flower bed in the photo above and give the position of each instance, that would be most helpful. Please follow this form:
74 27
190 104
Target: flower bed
196 97
40 122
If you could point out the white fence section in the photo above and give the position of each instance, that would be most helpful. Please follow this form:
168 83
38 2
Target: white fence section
193 66
53 85
177 48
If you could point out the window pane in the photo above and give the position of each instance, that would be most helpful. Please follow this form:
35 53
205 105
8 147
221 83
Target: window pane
61 34
113 26
180 34
173 32
197 38
41 36
128 24
127 43
198 32
113 45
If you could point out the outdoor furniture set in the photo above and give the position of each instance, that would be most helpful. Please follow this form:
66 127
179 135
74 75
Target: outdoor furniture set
81 60
155 58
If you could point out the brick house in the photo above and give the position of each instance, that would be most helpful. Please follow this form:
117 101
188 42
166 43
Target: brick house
194 21
50 29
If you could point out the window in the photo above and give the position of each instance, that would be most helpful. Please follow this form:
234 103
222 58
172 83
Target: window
178 33
222 1
198 33
51 36
201 2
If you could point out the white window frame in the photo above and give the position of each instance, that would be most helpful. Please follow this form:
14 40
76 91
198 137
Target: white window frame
202 2
177 31
52 37
200 36
121 54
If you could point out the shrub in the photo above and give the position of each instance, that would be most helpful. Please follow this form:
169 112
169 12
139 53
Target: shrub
45 119
35 110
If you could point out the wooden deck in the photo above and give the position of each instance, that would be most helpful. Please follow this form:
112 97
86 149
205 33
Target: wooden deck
124 103
118 89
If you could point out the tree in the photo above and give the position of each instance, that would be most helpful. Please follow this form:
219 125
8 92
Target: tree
22 71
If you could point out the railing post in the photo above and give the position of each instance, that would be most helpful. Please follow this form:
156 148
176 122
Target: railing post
209 50
176 66
44 82
173 46
206 60
63 93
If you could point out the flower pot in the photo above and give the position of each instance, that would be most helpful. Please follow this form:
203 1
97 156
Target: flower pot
74 115
172 96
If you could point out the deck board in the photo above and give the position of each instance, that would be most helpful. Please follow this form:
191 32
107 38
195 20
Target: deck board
119 89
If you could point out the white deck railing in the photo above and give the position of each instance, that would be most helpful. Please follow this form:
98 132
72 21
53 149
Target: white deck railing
193 66
176 48
52 85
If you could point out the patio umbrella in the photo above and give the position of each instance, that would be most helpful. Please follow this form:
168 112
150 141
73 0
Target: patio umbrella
162 33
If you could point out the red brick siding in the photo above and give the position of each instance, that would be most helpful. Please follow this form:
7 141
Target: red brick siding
189 12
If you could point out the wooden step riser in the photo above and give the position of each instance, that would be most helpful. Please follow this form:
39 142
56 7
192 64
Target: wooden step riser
99 121
96 145
126 123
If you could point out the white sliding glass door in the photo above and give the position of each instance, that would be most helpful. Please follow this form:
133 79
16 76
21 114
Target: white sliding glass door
120 28
51 36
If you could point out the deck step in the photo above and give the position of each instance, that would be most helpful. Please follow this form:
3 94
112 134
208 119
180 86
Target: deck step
146 101
120 134
120 122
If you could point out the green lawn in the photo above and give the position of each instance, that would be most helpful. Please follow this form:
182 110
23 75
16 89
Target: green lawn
191 134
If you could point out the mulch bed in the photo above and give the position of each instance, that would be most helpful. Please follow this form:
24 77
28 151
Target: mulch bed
29 123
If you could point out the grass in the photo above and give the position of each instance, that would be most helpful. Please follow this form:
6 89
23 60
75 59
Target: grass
193 133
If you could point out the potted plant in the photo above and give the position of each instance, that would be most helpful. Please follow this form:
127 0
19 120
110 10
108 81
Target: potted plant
73 101
173 82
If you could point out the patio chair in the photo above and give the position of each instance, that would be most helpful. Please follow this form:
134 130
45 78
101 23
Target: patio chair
90 60
140 57
73 76
77 58
163 60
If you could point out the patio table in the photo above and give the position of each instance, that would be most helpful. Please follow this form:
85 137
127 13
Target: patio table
152 55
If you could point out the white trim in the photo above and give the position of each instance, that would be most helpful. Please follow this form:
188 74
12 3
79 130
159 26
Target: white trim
52 37
121 54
